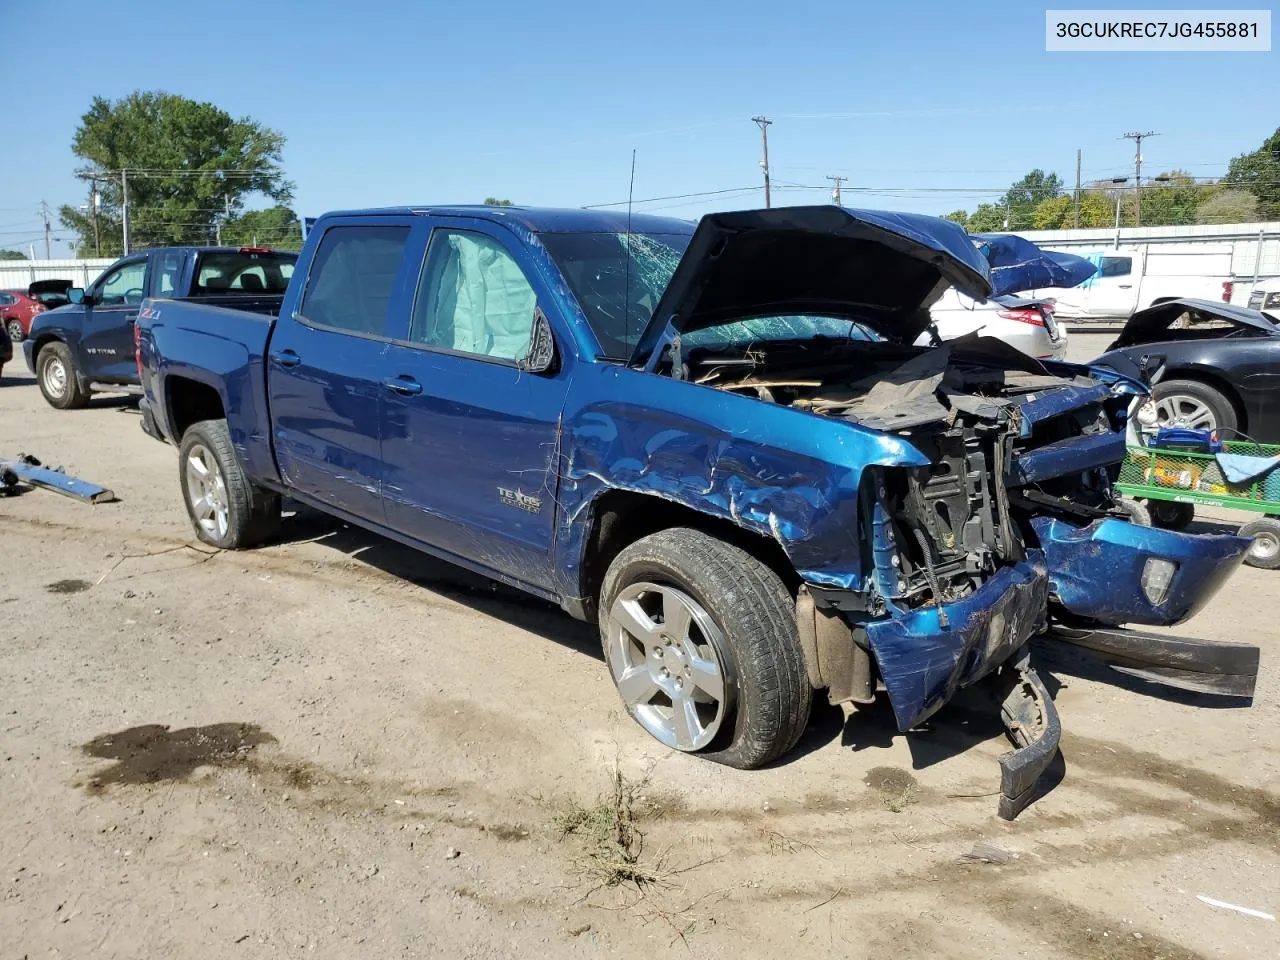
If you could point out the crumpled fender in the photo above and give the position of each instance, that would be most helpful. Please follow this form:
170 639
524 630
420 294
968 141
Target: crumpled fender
782 473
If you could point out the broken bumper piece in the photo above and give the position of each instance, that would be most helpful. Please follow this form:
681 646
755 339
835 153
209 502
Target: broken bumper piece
1113 571
1031 721
29 470
925 657
1201 666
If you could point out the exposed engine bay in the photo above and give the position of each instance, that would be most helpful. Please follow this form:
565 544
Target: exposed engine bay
974 407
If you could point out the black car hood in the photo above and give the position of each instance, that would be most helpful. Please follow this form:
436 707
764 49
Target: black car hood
50 286
1150 325
882 268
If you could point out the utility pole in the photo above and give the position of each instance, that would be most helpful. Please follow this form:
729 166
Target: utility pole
1137 139
1075 216
44 215
124 210
835 193
94 202
763 123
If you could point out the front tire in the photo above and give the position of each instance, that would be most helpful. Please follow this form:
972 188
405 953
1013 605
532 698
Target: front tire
226 510
1190 403
58 379
701 640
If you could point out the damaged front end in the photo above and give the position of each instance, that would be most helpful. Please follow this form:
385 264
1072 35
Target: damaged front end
1002 526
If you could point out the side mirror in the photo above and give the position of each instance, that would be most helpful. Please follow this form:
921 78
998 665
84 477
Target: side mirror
76 295
542 346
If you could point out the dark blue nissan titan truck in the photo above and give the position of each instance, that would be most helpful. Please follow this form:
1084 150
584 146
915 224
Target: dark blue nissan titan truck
720 444
88 345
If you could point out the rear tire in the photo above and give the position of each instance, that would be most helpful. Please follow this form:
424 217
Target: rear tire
14 329
226 510
1264 552
58 379
680 598
1204 407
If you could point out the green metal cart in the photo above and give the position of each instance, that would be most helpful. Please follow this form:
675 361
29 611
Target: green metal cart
1173 482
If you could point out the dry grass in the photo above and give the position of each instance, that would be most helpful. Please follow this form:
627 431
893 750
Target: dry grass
610 842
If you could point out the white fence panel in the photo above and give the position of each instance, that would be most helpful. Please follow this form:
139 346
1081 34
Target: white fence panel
19 274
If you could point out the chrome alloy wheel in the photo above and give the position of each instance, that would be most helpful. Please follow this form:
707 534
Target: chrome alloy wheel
662 651
55 377
207 492
1182 410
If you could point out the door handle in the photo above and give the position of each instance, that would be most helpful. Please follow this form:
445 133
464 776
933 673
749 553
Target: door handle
285 358
1126 286
404 385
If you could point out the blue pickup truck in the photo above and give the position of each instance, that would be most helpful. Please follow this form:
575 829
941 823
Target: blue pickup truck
88 345
717 443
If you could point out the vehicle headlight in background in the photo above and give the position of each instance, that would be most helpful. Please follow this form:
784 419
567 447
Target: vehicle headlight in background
1157 574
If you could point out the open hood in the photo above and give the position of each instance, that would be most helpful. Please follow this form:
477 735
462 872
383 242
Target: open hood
884 269
59 287
1149 325
1018 264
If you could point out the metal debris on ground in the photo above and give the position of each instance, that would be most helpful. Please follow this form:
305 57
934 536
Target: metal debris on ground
26 469
984 852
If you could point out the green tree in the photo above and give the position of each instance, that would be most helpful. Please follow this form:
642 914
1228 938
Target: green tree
273 227
957 216
1022 197
187 163
495 202
1172 198
1228 206
1053 213
1259 173
12 255
987 218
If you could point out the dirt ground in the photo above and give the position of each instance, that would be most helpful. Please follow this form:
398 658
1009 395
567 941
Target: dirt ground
336 747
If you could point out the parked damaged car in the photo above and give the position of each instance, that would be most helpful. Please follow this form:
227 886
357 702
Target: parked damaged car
1218 367
720 444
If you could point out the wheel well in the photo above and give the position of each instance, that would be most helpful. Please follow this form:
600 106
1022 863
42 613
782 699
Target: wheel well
1220 384
621 517
190 401
41 343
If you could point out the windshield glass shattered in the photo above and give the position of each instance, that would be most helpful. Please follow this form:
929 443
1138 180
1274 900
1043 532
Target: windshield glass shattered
617 278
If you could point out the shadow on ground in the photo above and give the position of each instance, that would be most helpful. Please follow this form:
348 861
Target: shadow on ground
481 594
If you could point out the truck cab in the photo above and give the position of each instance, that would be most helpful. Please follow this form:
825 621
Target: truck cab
88 345
1132 279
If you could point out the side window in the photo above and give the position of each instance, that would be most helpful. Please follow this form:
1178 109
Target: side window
352 276
123 285
473 297
168 266
1116 267
6 300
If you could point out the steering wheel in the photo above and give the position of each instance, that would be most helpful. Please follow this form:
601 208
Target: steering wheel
133 296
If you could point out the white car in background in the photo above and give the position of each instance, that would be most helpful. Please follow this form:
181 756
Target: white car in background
1265 296
1028 325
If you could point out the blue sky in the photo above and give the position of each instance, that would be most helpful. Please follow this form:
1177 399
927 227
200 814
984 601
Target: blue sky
401 102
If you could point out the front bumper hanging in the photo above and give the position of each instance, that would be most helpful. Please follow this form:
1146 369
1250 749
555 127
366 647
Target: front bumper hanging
1201 666
1031 721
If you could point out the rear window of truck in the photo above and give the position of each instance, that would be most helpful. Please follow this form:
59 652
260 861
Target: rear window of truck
242 273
